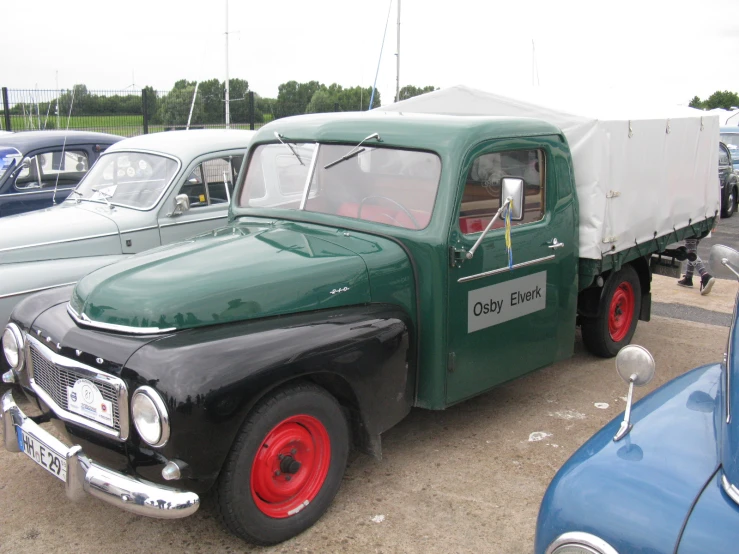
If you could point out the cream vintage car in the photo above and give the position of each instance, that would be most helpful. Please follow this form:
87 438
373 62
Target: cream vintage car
143 192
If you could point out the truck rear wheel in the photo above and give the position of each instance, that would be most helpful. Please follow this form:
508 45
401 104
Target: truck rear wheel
285 467
618 314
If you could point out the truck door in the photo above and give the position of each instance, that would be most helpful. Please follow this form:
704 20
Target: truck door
506 322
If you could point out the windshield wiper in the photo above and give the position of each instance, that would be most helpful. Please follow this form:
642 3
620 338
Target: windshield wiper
104 195
279 137
354 151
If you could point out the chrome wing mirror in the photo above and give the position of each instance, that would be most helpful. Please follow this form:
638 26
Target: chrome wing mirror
635 365
513 188
512 191
181 204
724 261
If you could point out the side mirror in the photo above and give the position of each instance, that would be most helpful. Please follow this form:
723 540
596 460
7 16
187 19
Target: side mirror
724 261
181 204
635 365
513 187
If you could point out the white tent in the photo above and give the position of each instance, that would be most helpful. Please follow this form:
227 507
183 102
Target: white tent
639 170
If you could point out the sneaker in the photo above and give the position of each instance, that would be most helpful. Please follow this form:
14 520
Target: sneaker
686 282
707 282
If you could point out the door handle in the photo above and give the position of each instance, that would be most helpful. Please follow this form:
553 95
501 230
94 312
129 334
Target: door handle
555 244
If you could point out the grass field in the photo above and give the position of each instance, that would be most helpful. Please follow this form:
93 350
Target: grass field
123 125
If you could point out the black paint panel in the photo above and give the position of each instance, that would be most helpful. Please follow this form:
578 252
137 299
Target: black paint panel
211 377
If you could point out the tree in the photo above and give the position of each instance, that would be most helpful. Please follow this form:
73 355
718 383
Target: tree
722 99
293 97
174 108
323 101
409 91
696 103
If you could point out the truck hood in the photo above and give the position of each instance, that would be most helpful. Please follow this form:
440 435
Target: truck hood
68 230
639 490
240 272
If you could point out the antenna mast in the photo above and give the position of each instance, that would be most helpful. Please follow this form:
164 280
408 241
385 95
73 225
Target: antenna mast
397 70
228 107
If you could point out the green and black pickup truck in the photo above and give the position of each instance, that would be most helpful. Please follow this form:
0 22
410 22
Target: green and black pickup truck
372 263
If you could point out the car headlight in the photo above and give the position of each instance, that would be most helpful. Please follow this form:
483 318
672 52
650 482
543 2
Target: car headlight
13 346
580 543
150 416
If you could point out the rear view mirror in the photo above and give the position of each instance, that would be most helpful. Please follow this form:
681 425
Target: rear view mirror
724 261
635 365
513 187
181 204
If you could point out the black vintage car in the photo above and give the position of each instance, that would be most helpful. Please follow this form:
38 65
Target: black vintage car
729 184
41 168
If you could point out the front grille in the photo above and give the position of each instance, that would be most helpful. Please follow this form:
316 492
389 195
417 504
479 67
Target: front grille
54 380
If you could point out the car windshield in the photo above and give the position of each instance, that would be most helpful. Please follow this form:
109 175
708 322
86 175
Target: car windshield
731 140
130 179
9 157
384 185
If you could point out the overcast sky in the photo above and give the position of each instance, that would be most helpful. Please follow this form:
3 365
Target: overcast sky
653 47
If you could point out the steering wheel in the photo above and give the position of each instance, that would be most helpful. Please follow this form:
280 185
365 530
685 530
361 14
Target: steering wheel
398 204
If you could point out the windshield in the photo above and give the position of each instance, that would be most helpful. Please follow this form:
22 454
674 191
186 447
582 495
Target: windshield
130 179
8 158
730 139
385 185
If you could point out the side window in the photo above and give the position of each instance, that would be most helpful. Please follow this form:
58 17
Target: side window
212 182
723 155
50 169
481 198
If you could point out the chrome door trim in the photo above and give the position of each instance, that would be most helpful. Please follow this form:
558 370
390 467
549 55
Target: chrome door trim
150 227
48 190
505 269
113 234
87 322
29 291
56 359
193 221
730 490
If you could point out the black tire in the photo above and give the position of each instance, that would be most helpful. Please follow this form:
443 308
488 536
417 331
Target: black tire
234 494
598 332
729 206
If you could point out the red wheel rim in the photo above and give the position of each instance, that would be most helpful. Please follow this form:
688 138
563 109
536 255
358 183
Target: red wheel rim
290 467
621 312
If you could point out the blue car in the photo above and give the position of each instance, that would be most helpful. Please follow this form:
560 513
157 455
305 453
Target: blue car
41 168
665 478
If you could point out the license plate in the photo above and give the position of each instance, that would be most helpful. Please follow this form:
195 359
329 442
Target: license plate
42 454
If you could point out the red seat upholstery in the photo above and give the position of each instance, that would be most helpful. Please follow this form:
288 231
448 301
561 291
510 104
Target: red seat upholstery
387 214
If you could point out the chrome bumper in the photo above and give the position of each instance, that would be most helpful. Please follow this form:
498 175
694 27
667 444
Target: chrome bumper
85 476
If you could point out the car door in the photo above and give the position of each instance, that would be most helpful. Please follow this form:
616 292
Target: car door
51 174
504 322
208 184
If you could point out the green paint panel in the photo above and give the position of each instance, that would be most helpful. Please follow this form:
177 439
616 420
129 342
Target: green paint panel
232 274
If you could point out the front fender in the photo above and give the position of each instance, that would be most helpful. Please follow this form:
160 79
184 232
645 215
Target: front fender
211 377
20 280
637 493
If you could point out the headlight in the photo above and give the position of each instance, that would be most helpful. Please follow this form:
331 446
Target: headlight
13 346
580 543
150 416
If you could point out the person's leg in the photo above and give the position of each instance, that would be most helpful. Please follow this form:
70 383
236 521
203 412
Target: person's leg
691 245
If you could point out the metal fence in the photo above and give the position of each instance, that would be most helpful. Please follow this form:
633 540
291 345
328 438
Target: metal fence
135 112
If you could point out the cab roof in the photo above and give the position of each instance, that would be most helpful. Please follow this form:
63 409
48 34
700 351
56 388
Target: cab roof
187 145
410 130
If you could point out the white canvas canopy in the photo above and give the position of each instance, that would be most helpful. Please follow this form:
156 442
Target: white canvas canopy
640 171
